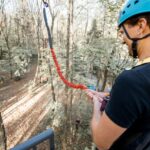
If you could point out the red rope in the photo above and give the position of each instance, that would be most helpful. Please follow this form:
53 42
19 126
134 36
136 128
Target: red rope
72 85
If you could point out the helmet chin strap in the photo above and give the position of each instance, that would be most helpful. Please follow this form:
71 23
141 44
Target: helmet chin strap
134 42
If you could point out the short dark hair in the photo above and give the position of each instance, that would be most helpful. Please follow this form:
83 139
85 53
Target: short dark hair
134 20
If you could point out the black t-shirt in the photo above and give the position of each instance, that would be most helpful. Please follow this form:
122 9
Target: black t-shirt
129 105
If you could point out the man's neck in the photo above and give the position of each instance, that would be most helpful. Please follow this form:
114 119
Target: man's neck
144 49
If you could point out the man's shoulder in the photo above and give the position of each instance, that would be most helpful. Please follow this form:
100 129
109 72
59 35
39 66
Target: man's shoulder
127 76
138 74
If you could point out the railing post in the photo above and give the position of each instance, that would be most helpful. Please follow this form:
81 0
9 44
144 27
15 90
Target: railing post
34 141
34 148
51 143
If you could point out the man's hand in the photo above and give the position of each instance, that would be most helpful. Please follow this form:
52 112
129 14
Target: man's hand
97 98
104 130
96 95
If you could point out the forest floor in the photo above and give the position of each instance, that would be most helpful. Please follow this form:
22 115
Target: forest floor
26 109
23 107
11 88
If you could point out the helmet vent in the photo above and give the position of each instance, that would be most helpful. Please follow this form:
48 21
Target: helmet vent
136 1
123 12
128 5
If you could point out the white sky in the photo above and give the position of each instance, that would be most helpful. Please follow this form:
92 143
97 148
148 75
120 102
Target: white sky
94 8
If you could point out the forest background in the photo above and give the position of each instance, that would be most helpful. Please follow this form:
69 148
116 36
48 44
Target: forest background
32 96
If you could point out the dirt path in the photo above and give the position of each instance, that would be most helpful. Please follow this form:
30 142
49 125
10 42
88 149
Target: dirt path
12 88
23 109
22 118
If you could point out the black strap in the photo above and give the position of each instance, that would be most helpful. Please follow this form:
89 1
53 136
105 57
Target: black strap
47 26
134 49
134 42
134 39
45 3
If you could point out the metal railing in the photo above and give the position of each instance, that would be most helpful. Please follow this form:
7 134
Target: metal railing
34 141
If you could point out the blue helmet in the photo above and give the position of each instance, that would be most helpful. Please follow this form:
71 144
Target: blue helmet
132 8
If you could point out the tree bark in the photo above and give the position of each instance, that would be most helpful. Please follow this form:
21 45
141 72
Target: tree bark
1 52
69 49
38 43
105 79
9 55
51 80
98 79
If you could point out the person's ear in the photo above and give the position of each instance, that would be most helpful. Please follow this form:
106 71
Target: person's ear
142 24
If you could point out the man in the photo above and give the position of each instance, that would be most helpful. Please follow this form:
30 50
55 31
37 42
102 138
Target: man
125 123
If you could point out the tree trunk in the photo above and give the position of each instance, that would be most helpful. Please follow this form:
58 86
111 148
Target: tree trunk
1 52
67 75
51 80
18 35
105 79
98 80
71 73
38 44
87 21
9 55
69 49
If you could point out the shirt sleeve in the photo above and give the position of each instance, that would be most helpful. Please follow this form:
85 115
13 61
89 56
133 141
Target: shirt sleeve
124 106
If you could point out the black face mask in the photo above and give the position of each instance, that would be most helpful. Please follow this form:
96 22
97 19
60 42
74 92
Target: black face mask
134 42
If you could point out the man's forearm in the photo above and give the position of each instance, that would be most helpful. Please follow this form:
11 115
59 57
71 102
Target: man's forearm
95 124
96 112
